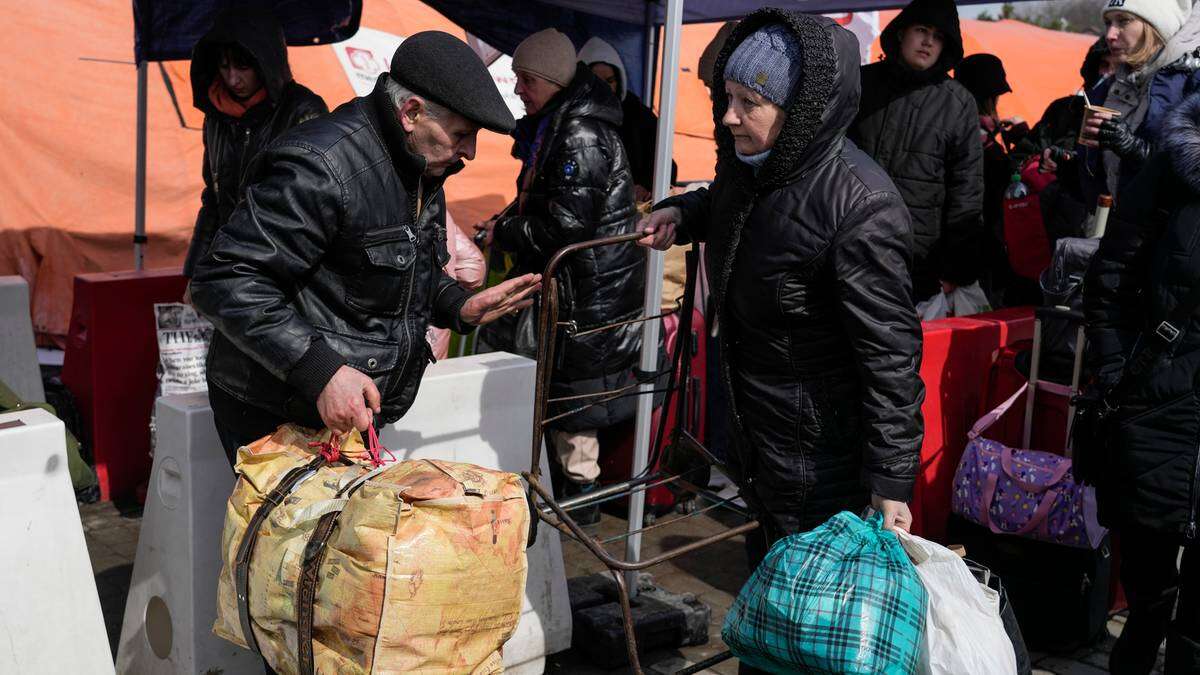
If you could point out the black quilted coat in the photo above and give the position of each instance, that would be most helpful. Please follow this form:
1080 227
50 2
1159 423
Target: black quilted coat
923 129
821 347
582 189
230 143
1148 262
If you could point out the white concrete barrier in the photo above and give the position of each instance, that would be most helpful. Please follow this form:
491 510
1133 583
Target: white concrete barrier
50 616
475 409
172 599
18 359
479 409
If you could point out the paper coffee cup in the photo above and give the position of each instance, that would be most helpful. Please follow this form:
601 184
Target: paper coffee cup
1088 112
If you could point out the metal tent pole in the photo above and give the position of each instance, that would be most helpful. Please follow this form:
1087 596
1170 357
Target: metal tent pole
654 280
139 205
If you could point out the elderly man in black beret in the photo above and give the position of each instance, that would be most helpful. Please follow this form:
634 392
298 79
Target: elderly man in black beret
327 274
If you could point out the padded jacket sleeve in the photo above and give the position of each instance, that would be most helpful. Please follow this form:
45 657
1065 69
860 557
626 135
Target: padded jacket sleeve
962 218
871 259
274 238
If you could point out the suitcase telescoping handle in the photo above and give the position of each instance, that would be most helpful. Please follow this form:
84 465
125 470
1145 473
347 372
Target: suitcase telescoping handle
1073 317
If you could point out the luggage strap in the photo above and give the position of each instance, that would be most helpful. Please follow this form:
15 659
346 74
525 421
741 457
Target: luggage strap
306 591
246 549
314 557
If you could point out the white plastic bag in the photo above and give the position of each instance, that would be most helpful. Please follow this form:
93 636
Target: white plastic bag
963 630
962 301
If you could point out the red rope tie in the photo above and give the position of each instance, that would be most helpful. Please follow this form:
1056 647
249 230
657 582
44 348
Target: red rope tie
374 447
329 449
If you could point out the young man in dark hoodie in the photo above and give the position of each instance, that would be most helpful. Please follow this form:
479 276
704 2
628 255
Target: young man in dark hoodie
242 83
923 128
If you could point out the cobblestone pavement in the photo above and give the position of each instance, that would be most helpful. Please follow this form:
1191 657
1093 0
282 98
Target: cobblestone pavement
713 574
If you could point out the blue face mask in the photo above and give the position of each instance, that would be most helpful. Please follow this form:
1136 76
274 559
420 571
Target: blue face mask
755 161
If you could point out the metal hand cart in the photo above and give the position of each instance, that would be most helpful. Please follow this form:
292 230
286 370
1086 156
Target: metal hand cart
684 456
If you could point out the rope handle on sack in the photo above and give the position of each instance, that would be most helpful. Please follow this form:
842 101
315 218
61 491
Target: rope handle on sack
330 450
374 447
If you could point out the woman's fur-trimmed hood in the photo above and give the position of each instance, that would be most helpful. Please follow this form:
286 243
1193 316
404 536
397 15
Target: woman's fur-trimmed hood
1181 141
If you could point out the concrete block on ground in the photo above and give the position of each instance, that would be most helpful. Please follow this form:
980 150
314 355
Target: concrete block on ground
172 600
50 615
18 360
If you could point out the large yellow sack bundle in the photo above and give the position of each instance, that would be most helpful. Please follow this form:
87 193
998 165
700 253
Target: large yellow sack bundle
409 567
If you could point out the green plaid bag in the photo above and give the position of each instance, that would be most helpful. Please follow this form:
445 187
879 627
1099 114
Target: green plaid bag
843 598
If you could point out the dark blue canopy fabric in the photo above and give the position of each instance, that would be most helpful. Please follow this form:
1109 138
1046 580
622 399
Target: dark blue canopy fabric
166 30
504 23
706 11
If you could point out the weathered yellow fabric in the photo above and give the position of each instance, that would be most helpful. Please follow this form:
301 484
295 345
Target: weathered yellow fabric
425 572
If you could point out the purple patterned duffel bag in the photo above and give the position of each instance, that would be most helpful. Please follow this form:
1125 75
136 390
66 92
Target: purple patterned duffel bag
1023 492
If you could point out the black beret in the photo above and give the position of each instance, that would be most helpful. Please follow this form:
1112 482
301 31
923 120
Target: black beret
445 70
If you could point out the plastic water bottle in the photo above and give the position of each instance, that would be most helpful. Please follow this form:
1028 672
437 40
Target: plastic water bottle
1100 219
1016 189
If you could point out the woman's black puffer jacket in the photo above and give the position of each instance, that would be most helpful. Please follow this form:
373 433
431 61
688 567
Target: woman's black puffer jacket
583 189
1147 265
821 346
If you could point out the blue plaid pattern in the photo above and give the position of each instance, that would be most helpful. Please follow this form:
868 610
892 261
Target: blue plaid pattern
843 598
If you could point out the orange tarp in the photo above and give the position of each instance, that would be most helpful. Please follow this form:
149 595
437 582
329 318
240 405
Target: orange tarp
68 130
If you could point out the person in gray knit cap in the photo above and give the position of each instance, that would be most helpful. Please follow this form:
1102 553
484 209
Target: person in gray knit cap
808 241
575 184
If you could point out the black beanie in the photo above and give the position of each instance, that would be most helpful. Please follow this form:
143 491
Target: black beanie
445 70
983 75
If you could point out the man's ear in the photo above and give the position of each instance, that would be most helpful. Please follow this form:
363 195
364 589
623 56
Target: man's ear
408 113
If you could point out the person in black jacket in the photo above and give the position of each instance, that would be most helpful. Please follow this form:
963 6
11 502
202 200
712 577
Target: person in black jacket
575 184
983 75
639 124
242 83
809 242
1148 481
323 281
923 129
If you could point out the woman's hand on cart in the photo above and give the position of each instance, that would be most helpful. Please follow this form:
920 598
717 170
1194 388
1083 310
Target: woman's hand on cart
659 228
508 297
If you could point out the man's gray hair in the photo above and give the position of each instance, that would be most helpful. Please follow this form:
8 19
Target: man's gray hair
399 94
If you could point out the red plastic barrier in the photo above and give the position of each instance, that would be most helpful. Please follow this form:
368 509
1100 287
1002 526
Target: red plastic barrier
956 364
111 356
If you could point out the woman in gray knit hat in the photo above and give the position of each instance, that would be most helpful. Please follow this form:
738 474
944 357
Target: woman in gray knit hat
808 241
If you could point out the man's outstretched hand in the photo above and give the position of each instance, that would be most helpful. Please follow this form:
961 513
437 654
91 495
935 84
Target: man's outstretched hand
349 400
509 297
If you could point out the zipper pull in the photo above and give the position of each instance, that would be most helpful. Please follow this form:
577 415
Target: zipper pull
1190 530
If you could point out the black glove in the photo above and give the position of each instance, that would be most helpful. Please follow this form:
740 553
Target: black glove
1116 137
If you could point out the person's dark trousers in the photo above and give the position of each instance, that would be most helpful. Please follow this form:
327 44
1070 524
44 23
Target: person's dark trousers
239 423
1157 587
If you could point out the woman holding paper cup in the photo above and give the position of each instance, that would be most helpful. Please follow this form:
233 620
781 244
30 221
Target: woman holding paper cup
1155 43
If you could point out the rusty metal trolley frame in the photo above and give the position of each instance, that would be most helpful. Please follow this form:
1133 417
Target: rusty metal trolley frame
545 508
